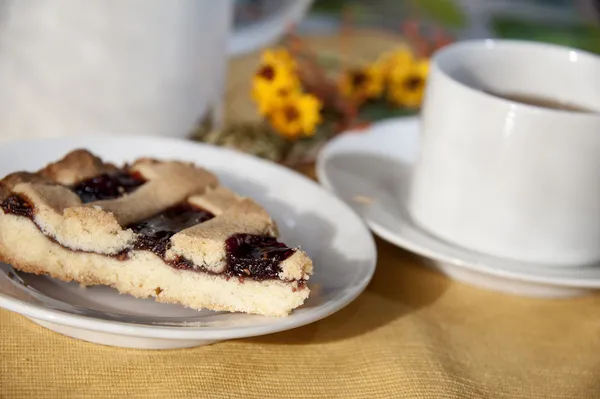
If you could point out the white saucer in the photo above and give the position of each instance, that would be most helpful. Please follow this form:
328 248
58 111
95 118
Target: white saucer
337 240
368 169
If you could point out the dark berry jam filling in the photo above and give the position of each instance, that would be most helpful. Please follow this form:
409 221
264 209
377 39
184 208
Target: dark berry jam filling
17 205
254 256
248 256
155 232
107 186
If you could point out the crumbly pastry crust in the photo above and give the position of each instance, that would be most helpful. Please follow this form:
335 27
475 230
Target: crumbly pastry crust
70 240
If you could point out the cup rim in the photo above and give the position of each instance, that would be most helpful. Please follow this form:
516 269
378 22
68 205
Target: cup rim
488 44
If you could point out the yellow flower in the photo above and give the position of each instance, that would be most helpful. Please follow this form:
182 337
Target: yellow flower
399 59
362 84
279 56
269 95
274 81
407 85
298 115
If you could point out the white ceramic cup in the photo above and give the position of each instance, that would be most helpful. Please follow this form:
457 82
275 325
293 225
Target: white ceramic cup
146 67
500 177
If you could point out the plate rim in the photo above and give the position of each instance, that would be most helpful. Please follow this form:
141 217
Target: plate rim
394 238
294 320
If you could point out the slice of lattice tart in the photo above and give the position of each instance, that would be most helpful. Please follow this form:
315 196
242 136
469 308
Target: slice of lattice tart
158 229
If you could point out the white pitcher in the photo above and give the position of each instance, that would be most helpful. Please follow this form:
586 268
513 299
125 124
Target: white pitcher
147 67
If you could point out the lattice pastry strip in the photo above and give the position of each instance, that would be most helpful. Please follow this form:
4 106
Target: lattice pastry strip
146 192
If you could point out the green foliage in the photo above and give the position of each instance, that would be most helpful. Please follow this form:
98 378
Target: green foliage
444 12
329 6
585 37
381 109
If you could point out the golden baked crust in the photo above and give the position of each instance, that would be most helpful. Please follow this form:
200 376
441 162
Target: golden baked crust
144 275
76 166
99 227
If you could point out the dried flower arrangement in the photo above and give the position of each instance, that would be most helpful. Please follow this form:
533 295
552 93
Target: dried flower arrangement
303 103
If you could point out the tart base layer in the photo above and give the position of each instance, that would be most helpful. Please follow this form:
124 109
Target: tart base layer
144 275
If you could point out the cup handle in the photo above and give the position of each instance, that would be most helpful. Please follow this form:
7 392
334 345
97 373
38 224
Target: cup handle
267 31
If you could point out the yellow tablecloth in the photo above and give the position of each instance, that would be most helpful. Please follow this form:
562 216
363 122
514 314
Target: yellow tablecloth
412 334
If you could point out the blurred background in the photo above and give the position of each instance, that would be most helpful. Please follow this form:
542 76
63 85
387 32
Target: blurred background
574 23
347 35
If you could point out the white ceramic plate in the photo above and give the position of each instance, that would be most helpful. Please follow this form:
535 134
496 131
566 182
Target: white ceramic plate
370 170
308 215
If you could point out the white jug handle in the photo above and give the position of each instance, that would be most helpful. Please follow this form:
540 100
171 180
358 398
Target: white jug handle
267 31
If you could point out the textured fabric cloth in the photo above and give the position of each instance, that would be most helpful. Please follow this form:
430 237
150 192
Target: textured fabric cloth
412 334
